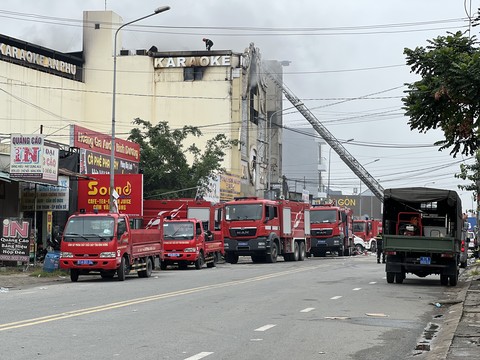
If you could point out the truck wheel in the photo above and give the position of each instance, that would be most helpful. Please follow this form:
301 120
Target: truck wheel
360 249
74 275
444 280
163 265
272 257
399 278
301 252
231 258
340 251
296 252
373 247
148 271
199 262
122 270
453 280
390 277
213 263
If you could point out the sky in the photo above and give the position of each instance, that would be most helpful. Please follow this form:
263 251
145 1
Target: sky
346 64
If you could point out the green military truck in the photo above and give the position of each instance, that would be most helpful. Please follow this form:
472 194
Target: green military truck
422 232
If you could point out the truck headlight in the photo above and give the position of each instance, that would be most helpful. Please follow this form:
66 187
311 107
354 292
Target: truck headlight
109 254
191 250
66 254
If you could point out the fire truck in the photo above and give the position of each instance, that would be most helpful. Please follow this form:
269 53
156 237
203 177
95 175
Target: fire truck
331 228
105 244
264 229
367 230
192 231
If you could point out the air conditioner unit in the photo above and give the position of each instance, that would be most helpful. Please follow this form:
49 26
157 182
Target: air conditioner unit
124 52
141 52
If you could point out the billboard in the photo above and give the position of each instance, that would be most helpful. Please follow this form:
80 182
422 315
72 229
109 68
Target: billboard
33 159
45 197
94 194
15 240
95 152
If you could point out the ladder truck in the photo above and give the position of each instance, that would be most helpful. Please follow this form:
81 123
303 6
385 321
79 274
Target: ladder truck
336 145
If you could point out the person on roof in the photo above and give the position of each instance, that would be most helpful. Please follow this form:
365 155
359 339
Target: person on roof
208 43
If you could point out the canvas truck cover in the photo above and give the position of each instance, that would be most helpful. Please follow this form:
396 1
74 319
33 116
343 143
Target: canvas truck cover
409 199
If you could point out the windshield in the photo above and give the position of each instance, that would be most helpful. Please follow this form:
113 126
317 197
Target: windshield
243 212
178 230
359 227
323 216
85 228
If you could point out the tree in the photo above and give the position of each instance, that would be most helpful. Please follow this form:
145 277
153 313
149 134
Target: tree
164 160
448 94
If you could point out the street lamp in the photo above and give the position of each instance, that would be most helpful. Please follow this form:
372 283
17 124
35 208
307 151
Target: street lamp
329 157
360 188
112 154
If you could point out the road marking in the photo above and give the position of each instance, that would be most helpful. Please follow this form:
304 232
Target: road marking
372 282
199 355
356 289
256 339
307 310
157 297
336 297
265 327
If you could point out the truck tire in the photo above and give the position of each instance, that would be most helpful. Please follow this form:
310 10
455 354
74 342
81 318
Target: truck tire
257 259
373 246
74 275
360 249
390 277
122 270
453 280
200 261
301 252
212 263
296 252
231 258
272 257
444 280
163 265
148 271
340 251
399 277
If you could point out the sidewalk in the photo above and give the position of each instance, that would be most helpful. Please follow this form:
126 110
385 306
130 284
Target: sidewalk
465 341
459 337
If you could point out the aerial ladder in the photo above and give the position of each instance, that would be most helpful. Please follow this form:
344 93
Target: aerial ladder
336 145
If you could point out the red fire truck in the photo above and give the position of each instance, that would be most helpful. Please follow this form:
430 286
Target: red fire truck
192 231
331 228
264 229
368 230
105 244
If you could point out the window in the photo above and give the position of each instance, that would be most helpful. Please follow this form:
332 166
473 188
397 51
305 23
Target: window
193 73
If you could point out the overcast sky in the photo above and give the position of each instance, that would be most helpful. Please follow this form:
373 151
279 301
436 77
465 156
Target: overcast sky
347 64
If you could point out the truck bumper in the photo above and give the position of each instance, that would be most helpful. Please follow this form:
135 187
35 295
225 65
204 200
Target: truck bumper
412 265
248 247
320 245
176 256
90 264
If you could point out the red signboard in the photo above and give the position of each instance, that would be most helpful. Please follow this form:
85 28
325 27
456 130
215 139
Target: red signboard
95 194
101 143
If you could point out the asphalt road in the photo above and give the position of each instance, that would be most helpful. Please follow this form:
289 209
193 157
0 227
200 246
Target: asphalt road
322 308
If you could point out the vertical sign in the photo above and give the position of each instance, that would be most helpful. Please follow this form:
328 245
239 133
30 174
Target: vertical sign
15 240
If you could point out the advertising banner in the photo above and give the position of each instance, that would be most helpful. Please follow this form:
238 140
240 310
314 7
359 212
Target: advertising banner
48 197
33 159
94 194
95 152
15 240
230 187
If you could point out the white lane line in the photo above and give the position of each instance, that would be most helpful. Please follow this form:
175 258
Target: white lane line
372 282
199 355
307 310
335 297
265 328
356 289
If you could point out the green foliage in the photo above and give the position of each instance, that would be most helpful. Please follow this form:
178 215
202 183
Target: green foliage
164 159
448 94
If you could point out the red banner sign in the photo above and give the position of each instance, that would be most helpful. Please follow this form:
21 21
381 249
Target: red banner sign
95 194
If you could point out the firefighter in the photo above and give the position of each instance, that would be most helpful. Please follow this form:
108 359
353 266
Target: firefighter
379 240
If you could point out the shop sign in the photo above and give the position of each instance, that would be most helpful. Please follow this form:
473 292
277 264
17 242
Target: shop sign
46 197
15 240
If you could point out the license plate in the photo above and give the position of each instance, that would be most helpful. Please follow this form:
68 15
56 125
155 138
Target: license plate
321 242
425 260
85 262
242 244
173 255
